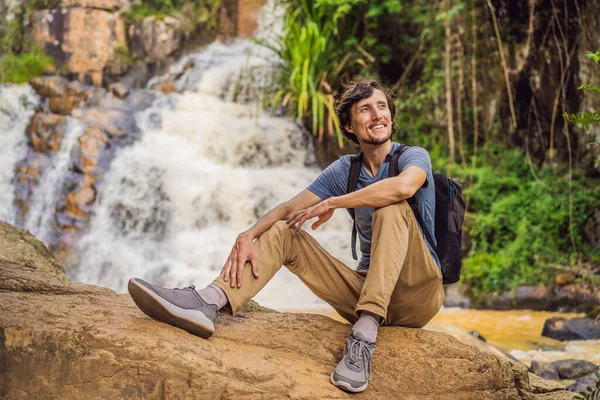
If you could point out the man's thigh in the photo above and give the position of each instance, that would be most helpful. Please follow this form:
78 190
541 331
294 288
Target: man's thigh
326 276
419 293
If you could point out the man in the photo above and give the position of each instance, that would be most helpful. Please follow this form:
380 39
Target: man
398 281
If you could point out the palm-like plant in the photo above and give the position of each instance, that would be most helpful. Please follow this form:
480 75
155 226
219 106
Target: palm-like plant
312 54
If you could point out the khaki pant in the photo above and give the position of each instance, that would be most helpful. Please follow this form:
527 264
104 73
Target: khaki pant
403 284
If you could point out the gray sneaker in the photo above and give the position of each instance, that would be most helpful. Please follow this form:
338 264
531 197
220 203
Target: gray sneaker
183 308
353 372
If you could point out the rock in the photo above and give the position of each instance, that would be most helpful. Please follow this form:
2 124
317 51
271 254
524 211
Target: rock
247 16
63 105
62 95
478 335
522 298
20 252
46 131
571 297
46 28
544 370
109 5
155 39
575 298
60 339
571 329
540 385
456 297
119 90
50 86
169 83
226 27
573 369
65 35
165 87
137 76
581 384
466 338
28 174
564 279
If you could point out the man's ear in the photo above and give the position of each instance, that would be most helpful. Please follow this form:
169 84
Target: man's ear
348 128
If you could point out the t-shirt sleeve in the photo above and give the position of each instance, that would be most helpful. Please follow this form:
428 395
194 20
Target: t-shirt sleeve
416 156
332 181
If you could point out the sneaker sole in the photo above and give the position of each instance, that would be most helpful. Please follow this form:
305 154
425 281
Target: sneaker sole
346 386
154 306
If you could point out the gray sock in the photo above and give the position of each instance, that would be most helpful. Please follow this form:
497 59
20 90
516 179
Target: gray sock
213 295
367 325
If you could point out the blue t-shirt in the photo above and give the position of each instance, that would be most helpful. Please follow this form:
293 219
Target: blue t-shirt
333 181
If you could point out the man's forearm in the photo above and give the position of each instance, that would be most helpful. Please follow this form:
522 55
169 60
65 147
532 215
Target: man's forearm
379 194
267 221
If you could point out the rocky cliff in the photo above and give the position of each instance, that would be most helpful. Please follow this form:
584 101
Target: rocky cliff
60 339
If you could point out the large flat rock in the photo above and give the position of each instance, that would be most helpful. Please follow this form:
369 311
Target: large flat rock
60 339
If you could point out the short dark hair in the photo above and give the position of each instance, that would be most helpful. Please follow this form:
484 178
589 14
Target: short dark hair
357 90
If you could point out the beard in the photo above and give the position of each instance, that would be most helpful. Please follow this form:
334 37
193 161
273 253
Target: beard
373 140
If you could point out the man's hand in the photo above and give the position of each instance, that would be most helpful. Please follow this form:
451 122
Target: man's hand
242 251
324 210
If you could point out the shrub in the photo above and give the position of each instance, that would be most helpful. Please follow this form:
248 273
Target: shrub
20 68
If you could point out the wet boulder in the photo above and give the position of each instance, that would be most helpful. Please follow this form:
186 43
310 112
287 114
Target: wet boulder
562 369
572 369
544 370
522 298
588 381
571 329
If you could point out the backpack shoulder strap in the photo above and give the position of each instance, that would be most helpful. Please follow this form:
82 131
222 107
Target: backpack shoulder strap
355 165
394 157
393 171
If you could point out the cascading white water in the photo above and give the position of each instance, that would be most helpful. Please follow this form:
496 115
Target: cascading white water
17 105
43 202
205 170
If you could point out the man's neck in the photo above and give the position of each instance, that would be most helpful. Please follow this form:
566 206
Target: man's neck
374 156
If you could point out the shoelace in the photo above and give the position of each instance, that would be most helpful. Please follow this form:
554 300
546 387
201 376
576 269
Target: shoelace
186 288
358 355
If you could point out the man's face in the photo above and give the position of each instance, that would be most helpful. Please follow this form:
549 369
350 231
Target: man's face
371 119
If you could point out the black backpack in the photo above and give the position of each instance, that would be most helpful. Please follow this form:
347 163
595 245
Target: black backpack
449 215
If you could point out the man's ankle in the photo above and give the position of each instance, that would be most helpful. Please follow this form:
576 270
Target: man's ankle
213 294
367 325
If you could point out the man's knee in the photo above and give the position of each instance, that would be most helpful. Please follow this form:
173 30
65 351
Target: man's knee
279 228
392 209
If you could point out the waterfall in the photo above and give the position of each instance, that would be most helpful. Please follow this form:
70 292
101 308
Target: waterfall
43 203
205 169
17 105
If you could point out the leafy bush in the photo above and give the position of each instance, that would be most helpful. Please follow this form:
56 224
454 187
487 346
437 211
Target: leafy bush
20 68
520 226
324 43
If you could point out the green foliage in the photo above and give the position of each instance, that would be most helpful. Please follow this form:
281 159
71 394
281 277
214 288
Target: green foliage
591 393
326 42
122 55
20 68
11 29
42 4
312 53
520 226
595 56
200 13
193 14
586 118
